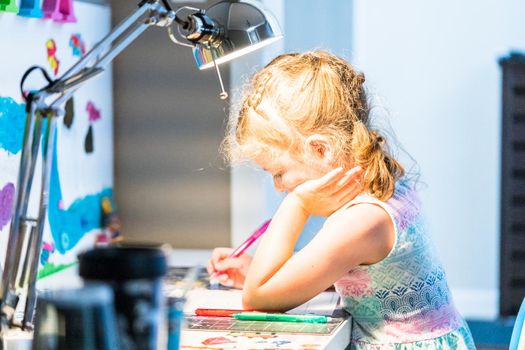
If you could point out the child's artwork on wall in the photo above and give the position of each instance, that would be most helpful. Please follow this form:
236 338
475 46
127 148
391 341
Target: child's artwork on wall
52 58
81 180
93 116
77 45
7 195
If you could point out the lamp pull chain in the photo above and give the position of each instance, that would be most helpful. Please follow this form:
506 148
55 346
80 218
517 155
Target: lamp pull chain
223 95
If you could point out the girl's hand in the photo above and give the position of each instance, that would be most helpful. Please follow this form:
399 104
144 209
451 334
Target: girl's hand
323 196
230 272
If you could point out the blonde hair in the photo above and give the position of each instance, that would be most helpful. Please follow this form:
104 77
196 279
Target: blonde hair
297 95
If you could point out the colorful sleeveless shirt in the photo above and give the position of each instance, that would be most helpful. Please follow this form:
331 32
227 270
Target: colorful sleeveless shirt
403 301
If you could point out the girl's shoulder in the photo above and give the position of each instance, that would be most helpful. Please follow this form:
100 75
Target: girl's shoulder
386 220
402 206
367 222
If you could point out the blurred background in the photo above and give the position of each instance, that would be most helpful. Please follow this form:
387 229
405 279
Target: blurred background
433 70
170 182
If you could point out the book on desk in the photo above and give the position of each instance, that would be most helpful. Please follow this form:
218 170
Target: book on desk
205 332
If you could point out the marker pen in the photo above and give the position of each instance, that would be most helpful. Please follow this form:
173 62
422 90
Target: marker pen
217 312
262 316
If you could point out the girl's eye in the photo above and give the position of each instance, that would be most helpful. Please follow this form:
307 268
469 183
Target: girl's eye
277 177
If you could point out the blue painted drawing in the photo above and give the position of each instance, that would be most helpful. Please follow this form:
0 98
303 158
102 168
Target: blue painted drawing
68 225
12 121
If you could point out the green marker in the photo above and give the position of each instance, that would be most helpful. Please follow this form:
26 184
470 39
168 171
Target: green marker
262 316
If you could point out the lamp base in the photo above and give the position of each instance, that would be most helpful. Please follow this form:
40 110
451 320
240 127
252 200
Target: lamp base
16 339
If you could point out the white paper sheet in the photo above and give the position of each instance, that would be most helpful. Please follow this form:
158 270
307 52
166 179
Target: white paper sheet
323 304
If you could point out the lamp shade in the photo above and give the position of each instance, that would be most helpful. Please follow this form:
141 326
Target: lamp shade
245 26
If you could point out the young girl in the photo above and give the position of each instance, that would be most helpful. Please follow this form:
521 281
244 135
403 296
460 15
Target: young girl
305 120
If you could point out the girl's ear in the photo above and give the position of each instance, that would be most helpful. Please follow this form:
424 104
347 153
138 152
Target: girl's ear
319 146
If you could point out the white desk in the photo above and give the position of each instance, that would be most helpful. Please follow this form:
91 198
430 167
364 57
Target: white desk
226 341
17 340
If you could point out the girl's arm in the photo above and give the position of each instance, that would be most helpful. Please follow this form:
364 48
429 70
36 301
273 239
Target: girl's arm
279 280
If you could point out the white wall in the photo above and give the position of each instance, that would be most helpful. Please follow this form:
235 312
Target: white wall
434 63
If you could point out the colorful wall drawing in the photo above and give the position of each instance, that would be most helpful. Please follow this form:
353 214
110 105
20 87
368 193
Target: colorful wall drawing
6 203
12 121
77 45
52 59
79 181
93 116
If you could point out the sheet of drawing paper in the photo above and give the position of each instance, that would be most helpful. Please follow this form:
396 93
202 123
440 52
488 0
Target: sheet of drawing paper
323 304
246 341
213 299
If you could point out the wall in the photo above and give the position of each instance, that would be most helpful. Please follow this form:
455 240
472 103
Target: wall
434 64
170 182
80 176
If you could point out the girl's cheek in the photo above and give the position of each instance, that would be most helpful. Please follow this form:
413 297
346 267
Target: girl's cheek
285 180
278 184
290 184
281 185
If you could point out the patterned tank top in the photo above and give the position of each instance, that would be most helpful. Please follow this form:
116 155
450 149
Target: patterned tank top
403 301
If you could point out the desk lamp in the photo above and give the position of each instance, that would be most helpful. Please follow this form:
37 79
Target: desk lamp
216 35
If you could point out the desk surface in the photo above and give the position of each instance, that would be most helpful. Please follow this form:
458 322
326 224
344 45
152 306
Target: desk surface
227 333
198 339
262 340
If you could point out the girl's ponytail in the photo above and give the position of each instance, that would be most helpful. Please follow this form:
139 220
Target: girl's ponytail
381 170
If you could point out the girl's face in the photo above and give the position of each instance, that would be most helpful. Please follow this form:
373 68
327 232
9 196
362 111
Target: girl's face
288 172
